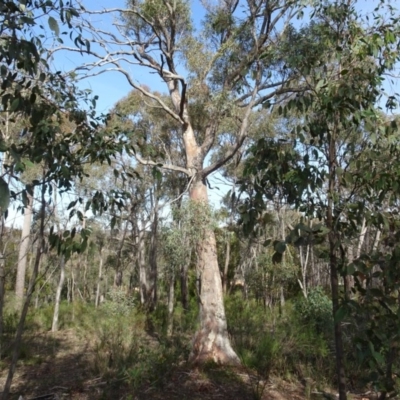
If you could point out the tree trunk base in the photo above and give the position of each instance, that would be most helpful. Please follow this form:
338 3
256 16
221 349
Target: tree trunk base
213 347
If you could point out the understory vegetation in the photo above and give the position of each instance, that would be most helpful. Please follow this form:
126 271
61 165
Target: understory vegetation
131 350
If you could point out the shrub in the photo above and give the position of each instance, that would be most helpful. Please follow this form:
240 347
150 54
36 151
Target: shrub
316 312
118 302
269 343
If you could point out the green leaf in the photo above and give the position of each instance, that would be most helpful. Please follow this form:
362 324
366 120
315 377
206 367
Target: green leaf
3 146
4 195
277 258
348 177
53 24
304 228
72 204
378 357
83 246
156 174
280 247
340 314
320 85
14 105
80 215
267 243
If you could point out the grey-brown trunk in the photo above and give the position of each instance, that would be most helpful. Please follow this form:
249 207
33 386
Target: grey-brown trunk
23 253
54 326
211 341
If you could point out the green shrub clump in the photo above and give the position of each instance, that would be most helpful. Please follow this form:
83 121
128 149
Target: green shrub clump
316 312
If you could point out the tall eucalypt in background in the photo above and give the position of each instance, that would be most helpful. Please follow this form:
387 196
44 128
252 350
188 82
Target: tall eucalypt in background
229 69
335 174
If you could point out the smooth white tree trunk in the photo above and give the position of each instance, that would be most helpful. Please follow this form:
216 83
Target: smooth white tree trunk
171 301
100 277
142 265
54 326
23 252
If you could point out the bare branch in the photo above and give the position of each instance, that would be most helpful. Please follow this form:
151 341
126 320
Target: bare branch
169 167
140 89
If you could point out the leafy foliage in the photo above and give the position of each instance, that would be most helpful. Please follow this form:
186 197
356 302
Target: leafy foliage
338 126
316 311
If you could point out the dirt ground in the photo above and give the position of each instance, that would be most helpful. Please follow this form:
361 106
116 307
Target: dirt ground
58 368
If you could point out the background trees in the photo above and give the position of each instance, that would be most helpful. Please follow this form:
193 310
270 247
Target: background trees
293 118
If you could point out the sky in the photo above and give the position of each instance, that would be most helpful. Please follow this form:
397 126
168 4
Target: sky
112 86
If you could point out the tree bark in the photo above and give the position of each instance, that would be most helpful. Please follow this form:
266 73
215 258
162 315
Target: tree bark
171 300
153 270
337 325
282 292
142 265
54 326
361 238
333 240
303 265
184 284
100 277
118 276
118 271
2 287
23 252
211 342
348 279
72 286
226 266
2 258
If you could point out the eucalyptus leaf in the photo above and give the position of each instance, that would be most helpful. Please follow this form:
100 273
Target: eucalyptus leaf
53 24
4 195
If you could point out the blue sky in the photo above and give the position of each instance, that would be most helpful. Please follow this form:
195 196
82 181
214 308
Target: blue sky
112 86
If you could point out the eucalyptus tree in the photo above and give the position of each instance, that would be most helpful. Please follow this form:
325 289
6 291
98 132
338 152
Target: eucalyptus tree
23 250
339 121
42 99
217 72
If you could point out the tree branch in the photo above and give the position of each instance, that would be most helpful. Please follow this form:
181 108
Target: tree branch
169 167
242 135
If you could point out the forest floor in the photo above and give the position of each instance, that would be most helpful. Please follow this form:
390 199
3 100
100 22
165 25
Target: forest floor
58 367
